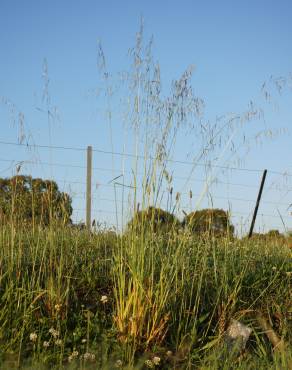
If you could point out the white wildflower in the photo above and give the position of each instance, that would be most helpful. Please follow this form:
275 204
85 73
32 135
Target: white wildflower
33 337
55 333
89 356
104 299
149 364
46 344
118 364
73 355
58 307
92 358
83 340
156 360
86 356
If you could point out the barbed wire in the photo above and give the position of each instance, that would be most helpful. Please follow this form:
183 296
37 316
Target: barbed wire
113 185
137 156
232 213
183 193
194 195
64 165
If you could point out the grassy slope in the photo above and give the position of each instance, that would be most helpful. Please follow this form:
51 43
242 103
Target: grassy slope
163 293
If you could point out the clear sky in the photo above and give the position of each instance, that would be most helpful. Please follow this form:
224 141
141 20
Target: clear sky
235 47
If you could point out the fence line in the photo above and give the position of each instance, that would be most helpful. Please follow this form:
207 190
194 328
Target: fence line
185 207
79 195
215 197
191 179
130 155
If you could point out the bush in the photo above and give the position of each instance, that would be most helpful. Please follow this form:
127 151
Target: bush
209 221
275 234
154 220
27 200
272 236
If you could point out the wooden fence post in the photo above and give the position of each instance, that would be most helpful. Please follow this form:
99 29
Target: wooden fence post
257 204
88 187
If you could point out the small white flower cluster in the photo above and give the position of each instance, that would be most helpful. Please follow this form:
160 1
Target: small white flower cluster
149 364
54 333
89 356
58 307
118 364
152 363
104 299
73 355
33 337
156 360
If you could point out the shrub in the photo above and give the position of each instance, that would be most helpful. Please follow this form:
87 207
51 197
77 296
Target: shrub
154 220
209 221
272 236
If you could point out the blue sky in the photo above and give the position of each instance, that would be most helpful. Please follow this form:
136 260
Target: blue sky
235 47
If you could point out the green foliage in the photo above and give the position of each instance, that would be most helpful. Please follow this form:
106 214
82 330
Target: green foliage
275 234
154 220
209 221
177 301
271 236
28 200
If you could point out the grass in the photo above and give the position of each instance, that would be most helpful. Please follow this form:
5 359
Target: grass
134 297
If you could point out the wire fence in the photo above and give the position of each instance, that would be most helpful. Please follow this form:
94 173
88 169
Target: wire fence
118 180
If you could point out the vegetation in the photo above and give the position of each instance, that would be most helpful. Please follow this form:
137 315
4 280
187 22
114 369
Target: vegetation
214 222
79 300
154 219
33 201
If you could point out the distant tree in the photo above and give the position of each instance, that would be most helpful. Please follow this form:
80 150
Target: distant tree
209 221
33 200
271 235
275 234
154 220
